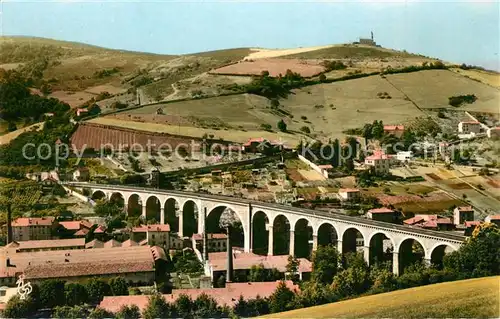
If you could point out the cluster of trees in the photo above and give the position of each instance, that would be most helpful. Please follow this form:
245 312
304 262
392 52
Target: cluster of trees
333 65
459 100
56 128
106 72
274 87
62 297
332 152
438 65
17 102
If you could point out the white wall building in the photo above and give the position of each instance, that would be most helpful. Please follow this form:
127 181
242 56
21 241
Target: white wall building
404 156
379 161
467 127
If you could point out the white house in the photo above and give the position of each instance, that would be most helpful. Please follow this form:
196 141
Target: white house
379 161
467 127
349 194
404 156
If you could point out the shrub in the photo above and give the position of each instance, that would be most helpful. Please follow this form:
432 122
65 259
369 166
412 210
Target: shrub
303 117
459 100
305 129
282 126
128 312
266 127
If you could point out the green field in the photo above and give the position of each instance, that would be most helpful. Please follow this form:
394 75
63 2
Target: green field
474 298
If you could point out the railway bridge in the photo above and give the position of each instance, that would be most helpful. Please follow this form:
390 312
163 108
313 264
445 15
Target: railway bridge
278 229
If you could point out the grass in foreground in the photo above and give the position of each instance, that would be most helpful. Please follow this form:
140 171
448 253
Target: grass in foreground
473 298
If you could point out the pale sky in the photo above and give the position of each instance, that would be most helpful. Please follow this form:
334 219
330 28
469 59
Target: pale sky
466 31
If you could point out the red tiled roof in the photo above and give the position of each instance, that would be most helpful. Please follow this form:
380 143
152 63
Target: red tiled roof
129 243
472 223
444 221
224 296
71 225
348 190
377 155
429 224
94 244
86 269
470 122
382 210
33 221
394 127
154 228
82 232
494 217
47 244
246 260
112 243
100 230
413 220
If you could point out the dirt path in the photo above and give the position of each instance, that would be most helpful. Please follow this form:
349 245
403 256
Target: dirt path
274 53
5 139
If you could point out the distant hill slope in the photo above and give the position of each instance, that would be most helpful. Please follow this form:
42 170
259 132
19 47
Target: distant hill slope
352 51
474 298
23 49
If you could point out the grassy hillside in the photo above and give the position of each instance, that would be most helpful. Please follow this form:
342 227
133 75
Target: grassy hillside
351 51
329 109
474 298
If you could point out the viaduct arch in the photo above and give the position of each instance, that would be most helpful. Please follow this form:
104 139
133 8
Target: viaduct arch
269 227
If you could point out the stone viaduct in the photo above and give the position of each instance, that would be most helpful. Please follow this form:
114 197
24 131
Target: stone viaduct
260 222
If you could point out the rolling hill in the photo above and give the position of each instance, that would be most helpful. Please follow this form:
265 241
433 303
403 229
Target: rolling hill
473 298
202 101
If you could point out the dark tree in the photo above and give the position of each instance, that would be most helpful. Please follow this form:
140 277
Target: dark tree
128 312
157 308
75 294
325 264
282 298
282 126
52 293
118 286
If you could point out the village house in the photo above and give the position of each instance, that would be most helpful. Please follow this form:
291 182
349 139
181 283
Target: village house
242 262
463 214
383 214
154 235
470 226
135 264
396 130
76 228
433 222
215 242
81 112
33 228
349 194
46 245
260 145
495 219
404 156
467 127
227 296
379 161
493 132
